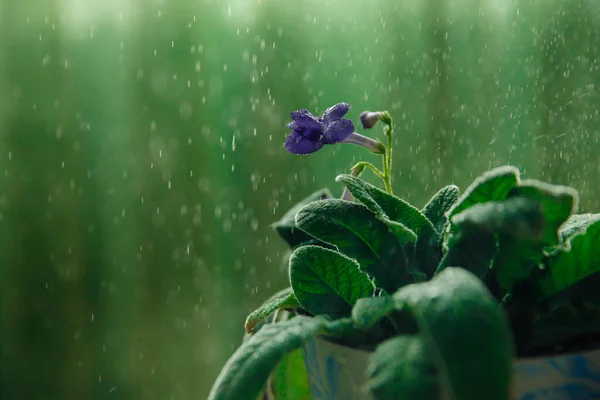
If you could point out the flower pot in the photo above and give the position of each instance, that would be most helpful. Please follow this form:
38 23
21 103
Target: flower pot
338 373
564 377
335 372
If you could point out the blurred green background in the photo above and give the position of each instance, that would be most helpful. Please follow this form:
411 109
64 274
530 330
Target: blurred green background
141 158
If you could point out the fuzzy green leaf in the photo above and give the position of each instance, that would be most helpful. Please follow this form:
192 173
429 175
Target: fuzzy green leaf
517 220
368 311
403 367
403 234
463 349
576 224
285 299
557 203
286 226
472 251
248 369
569 267
356 232
327 282
435 210
399 215
518 216
387 205
493 185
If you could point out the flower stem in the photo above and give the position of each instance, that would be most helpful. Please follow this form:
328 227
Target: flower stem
387 156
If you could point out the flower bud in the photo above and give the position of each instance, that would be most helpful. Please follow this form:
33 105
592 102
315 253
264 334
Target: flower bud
368 119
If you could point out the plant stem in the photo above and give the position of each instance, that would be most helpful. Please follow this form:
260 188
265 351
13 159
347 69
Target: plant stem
386 175
361 165
387 156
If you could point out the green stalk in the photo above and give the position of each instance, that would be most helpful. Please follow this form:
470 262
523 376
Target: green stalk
386 175
387 156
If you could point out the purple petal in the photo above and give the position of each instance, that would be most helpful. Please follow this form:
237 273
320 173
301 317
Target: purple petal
336 112
338 131
298 144
306 120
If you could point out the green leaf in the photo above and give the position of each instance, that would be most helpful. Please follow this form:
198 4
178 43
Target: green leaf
520 217
385 205
463 349
493 185
472 251
435 210
342 331
284 299
576 224
356 232
569 267
327 282
403 367
404 220
286 226
246 372
557 203
517 220
368 311
289 381
403 234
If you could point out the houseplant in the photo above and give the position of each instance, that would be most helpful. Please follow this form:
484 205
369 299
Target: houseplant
440 300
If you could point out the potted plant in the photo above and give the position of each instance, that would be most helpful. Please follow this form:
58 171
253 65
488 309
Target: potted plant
489 294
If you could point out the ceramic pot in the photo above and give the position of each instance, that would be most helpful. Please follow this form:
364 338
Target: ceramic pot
338 373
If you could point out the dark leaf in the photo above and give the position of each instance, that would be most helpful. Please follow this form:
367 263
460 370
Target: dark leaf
472 251
286 226
404 367
519 216
399 215
368 311
356 232
463 349
327 282
518 222
387 205
575 265
435 210
557 204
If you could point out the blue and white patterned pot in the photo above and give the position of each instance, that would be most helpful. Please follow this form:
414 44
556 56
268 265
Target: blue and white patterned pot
338 373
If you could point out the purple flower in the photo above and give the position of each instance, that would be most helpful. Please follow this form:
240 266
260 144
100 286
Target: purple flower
310 133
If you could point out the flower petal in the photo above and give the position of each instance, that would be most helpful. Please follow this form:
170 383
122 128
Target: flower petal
299 144
338 131
336 112
306 120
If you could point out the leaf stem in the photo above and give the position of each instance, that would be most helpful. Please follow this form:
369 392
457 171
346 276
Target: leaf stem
361 165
